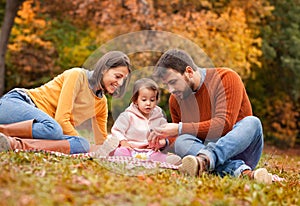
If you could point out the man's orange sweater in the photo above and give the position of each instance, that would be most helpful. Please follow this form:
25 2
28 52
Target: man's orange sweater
213 110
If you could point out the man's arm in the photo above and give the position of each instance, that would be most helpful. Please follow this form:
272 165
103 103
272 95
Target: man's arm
227 90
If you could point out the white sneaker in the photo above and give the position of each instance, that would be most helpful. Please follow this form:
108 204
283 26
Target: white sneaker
173 159
261 175
109 145
195 165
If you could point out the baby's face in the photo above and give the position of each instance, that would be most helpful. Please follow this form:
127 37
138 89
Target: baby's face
146 101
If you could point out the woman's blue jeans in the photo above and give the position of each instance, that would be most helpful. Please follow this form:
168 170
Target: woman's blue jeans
239 149
16 106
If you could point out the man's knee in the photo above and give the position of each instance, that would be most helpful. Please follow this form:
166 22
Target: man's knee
178 146
186 145
255 122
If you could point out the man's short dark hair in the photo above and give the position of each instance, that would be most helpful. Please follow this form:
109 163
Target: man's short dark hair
175 59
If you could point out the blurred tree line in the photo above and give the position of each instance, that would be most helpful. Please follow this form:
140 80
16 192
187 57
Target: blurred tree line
260 39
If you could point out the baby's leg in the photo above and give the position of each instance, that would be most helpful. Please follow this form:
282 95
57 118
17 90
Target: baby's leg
169 158
158 156
123 151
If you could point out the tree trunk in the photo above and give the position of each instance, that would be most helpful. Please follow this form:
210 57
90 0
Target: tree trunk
11 9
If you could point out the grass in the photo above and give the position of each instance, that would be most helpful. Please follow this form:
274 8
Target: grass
47 179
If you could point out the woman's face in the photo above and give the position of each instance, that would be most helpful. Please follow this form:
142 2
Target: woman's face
113 78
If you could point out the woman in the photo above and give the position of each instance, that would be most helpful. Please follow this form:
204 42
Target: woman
44 118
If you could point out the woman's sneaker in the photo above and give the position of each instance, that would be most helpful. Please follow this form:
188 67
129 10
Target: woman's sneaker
4 143
109 145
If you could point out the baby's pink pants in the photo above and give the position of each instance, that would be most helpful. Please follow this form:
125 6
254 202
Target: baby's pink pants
155 156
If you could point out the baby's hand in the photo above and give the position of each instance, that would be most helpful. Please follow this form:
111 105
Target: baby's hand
155 141
124 143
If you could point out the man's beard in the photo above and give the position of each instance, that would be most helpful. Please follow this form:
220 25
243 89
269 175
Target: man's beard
188 89
187 92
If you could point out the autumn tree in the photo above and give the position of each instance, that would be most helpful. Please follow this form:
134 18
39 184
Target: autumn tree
275 88
2 10
32 55
256 38
11 9
224 29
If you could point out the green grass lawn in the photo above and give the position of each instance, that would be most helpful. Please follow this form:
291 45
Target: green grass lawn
47 179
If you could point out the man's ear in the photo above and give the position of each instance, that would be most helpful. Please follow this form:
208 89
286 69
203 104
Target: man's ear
189 72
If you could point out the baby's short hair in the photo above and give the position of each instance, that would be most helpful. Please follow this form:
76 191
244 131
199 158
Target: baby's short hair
144 83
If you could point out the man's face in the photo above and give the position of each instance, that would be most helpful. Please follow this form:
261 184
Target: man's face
177 84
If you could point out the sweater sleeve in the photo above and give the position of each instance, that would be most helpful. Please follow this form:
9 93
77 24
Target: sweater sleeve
99 123
162 117
70 87
121 126
175 115
174 110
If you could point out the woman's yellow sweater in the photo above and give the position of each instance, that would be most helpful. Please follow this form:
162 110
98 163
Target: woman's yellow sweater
69 100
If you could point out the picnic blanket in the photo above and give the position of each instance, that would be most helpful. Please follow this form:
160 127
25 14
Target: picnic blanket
127 165
122 165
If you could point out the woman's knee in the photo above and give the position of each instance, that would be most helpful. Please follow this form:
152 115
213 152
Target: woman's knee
84 144
47 130
78 145
57 133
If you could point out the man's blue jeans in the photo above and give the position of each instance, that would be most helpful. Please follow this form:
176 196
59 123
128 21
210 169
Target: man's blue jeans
239 149
16 106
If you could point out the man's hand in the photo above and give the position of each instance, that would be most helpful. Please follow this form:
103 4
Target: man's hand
154 141
158 135
167 130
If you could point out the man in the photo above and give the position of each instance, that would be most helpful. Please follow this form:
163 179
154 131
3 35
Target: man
212 119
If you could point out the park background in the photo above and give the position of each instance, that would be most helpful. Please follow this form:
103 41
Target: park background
259 39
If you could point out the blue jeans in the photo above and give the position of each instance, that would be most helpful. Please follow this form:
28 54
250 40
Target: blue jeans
239 149
16 106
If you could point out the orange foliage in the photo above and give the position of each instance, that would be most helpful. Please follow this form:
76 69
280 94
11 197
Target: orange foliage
227 35
225 30
31 54
228 31
29 28
282 121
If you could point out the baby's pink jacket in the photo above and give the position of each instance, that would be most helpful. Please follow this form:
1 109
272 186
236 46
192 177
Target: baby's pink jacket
133 126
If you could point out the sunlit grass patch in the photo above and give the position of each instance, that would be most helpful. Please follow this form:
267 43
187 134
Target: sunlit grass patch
46 179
